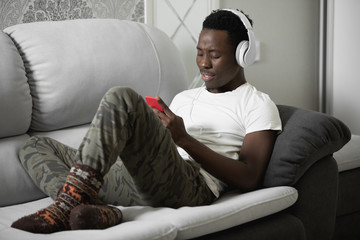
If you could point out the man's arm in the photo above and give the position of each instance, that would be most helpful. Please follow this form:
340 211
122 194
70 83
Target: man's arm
245 174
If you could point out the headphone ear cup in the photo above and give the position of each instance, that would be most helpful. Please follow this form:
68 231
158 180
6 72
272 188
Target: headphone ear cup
241 50
246 50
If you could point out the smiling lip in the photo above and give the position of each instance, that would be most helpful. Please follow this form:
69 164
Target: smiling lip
207 76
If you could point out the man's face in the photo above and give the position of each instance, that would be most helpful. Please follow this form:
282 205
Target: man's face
216 61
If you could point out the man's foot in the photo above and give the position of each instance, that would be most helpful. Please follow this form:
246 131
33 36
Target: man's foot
81 187
47 220
94 217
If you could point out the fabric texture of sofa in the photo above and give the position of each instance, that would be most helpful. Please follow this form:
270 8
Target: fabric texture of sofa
52 77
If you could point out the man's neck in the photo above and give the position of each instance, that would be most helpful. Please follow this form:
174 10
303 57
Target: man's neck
226 88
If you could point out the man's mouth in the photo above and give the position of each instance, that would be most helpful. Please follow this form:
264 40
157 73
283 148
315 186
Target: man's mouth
207 76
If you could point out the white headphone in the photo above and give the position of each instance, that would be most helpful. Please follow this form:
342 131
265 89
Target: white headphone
246 50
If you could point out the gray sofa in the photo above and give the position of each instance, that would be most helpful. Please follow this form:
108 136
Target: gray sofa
52 77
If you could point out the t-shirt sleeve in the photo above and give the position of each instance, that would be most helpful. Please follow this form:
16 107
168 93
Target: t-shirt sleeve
263 115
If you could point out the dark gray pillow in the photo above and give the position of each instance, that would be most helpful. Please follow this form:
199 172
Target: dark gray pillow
307 136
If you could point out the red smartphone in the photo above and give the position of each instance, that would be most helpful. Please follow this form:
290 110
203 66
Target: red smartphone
153 103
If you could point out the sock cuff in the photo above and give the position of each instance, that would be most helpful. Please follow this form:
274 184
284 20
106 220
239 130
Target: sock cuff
81 186
87 175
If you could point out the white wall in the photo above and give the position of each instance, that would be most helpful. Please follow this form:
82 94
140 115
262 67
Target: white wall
182 21
288 31
345 101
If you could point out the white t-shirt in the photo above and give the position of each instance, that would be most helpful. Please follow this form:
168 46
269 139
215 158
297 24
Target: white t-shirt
221 120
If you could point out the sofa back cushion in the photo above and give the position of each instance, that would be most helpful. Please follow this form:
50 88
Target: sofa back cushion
15 99
16 185
71 64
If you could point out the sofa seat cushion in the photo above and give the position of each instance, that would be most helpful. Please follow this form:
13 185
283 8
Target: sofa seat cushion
348 157
230 210
132 230
143 222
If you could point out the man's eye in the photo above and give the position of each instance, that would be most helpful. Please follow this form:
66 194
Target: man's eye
215 57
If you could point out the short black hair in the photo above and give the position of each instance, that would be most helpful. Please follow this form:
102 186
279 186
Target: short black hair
226 20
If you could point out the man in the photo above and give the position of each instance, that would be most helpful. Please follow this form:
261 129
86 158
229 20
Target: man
224 131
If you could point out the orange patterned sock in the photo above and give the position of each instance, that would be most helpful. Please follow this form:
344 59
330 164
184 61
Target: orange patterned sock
94 217
81 187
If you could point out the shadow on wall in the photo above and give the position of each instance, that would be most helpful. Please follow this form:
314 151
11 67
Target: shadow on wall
14 12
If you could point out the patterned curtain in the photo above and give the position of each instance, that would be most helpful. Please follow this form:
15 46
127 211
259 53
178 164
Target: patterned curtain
24 11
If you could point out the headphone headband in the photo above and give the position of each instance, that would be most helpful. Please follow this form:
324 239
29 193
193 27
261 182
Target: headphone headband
242 17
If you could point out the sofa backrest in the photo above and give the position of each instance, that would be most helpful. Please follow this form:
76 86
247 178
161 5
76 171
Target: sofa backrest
53 75
15 98
71 64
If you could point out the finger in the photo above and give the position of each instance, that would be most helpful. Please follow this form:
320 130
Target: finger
161 115
163 105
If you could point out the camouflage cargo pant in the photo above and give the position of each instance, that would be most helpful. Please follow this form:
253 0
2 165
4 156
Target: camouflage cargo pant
150 172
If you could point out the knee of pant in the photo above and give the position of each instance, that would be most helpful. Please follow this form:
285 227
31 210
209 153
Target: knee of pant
123 94
122 91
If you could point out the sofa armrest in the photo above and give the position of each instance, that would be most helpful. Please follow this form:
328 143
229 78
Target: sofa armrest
307 137
317 200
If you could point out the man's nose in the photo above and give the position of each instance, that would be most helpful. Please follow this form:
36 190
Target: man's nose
205 62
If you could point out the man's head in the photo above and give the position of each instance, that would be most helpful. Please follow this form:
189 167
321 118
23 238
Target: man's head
228 21
221 33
